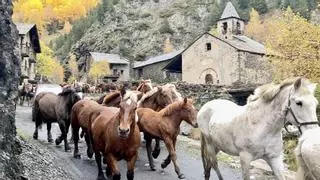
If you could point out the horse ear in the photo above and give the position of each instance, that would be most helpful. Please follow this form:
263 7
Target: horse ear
159 89
297 83
185 100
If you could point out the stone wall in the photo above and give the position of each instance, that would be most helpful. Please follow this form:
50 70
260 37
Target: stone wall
156 73
10 166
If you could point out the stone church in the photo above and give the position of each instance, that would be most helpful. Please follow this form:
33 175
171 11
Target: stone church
228 58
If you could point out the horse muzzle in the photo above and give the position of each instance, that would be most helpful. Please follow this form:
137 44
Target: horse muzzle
123 133
195 125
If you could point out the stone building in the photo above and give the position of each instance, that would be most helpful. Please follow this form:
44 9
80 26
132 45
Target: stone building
29 46
152 68
119 66
228 59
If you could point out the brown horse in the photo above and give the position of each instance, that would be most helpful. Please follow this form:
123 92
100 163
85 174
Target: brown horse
157 99
116 136
144 86
165 125
49 108
80 115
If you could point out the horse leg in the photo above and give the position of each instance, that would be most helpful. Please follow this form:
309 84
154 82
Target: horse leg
35 134
130 165
245 159
170 146
64 131
156 150
89 145
75 134
50 140
112 164
277 167
209 158
97 156
149 149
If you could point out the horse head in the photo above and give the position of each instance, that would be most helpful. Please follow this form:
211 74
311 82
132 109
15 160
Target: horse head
72 96
188 112
163 98
145 86
302 104
127 118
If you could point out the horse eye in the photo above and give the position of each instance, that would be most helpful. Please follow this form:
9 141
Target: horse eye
299 103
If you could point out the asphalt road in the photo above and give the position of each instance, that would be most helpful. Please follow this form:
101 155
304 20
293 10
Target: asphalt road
85 169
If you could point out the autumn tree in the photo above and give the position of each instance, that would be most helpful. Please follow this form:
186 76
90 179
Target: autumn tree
49 67
168 47
99 69
255 28
294 46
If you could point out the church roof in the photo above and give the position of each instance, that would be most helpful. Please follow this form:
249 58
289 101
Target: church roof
229 11
244 43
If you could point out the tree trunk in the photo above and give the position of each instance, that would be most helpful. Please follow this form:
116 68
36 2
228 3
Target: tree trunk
10 166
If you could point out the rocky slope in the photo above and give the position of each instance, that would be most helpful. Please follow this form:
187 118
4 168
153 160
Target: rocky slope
138 29
10 165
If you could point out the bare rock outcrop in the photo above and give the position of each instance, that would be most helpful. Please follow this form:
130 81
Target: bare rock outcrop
10 166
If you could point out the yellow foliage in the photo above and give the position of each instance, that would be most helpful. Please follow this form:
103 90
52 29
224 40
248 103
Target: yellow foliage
48 66
99 69
41 12
294 46
255 28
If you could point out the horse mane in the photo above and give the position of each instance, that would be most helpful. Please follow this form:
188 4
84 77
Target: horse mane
148 94
167 88
110 96
171 108
269 91
67 91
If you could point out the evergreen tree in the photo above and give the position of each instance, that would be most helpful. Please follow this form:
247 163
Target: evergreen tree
259 5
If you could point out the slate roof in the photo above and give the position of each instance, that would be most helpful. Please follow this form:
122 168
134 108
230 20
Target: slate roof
244 43
157 59
110 58
229 11
24 28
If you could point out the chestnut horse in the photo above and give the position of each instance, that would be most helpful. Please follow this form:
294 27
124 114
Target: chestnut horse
80 114
116 136
49 107
165 125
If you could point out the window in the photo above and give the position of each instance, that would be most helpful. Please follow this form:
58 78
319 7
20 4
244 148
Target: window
121 72
115 72
208 46
140 73
224 28
238 31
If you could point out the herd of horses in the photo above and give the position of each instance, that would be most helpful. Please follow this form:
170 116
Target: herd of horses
111 125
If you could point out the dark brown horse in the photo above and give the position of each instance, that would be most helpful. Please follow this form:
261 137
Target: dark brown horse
49 108
116 136
165 125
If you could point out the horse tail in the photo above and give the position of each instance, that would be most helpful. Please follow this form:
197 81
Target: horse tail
208 155
36 115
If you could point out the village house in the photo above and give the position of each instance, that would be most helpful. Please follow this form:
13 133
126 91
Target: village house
153 68
119 66
29 46
229 58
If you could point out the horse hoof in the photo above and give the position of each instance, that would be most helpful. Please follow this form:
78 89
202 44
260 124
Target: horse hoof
67 149
57 141
90 154
181 176
163 165
153 168
155 154
77 156
50 140
35 136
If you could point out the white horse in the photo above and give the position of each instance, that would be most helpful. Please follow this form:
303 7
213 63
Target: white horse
253 131
308 155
